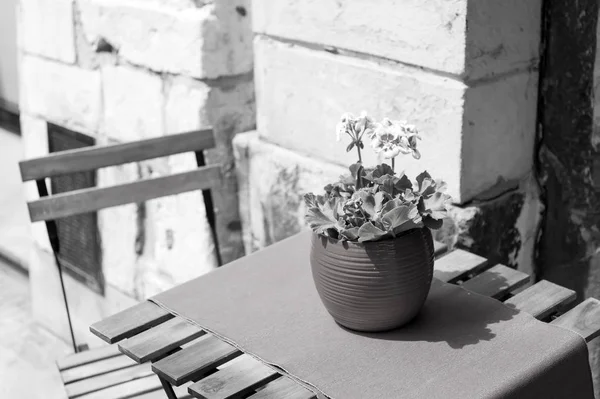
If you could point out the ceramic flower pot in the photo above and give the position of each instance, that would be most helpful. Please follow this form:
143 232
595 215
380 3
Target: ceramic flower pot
373 286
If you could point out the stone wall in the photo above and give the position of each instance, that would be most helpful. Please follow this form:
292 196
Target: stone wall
472 92
129 70
569 153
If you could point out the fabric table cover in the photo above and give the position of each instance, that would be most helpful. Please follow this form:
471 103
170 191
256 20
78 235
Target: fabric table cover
462 345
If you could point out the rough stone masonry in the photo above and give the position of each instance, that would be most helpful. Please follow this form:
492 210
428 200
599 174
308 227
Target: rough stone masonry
129 70
472 92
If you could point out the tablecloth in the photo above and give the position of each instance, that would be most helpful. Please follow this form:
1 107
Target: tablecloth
462 345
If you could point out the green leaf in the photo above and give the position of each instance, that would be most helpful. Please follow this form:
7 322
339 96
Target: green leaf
318 221
380 197
350 234
422 176
401 218
350 147
379 171
426 184
368 232
368 202
403 183
310 200
391 204
358 171
436 205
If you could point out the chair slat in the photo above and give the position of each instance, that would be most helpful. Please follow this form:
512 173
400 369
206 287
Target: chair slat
159 340
283 387
457 264
541 299
496 281
103 381
97 368
128 390
89 356
583 319
237 379
130 321
93 199
91 158
194 361
439 248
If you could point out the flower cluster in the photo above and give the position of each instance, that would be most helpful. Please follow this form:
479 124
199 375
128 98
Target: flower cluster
373 204
391 138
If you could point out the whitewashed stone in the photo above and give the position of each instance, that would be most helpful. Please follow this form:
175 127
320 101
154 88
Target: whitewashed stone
63 94
272 181
133 103
87 307
205 42
178 244
501 35
47 28
498 136
186 103
121 235
34 133
471 135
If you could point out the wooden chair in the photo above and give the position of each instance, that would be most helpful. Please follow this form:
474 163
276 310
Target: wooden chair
87 372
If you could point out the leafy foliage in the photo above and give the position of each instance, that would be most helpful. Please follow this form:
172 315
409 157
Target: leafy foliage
375 204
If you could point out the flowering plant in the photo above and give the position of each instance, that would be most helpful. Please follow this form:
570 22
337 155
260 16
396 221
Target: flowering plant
372 204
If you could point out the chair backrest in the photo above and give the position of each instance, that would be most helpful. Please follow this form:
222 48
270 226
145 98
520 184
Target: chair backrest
93 158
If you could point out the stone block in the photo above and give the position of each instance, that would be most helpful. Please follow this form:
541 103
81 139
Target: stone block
205 42
454 118
177 244
133 103
272 182
47 29
62 94
501 35
185 105
87 307
121 232
34 133
227 106
502 225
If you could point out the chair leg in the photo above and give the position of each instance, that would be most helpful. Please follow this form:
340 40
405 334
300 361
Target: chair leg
168 388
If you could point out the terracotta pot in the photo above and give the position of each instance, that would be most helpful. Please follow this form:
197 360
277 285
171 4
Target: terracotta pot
373 286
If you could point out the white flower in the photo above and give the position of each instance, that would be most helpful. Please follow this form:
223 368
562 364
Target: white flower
385 139
394 137
343 125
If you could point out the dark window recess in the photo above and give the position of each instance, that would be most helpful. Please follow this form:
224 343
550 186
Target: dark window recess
79 239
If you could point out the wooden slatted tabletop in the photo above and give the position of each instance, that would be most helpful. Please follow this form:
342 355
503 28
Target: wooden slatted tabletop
203 366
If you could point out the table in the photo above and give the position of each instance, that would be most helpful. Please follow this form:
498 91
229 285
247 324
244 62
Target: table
182 354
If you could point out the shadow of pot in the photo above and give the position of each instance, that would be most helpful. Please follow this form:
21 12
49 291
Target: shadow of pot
373 286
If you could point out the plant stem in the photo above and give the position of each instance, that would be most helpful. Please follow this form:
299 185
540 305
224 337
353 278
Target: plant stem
393 164
358 149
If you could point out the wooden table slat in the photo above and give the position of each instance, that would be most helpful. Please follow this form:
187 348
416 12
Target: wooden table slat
89 356
96 368
283 387
541 299
130 322
583 319
496 281
192 362
131 389
103 381
159 340
457 264
242 376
